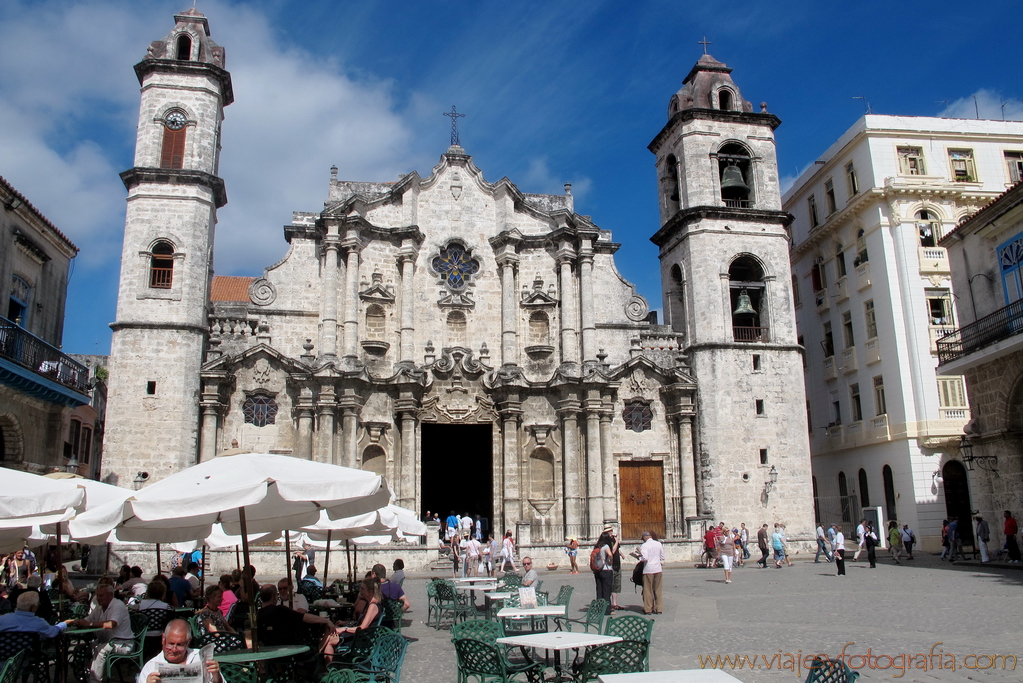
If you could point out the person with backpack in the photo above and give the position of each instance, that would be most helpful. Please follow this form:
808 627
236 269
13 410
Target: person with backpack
602 564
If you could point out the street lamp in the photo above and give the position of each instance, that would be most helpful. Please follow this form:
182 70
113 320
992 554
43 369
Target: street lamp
772 479
140 480
988 463
72 465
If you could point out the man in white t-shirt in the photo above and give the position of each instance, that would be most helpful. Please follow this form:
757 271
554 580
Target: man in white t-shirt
530 577
652 552
111 615
473 552
175 650
861 538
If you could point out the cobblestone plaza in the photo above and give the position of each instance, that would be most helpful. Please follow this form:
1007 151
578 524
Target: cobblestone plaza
924 607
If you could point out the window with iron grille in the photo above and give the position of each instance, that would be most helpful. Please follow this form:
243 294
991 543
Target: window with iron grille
637 416
260 409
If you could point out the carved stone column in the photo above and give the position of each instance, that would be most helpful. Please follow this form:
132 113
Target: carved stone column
350 430
407 351
687 459
305 410
351 345
610 491
328 305
406 470
569 336
568 411
326 404
587 315
594 463
211 407
514 499
509 311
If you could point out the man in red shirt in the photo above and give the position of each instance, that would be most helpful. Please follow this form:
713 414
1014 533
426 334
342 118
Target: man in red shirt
1011 529
709 544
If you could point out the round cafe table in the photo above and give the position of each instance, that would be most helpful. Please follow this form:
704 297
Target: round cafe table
266 652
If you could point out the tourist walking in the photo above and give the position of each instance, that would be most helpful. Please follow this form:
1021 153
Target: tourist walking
652 554
744 540
861 529
953 538
572 550
508 552
822 545
944 540
894 540
908 540
778 545
839 549
983 534
726 553
1011 545
493 556
616 573
455 554
602 566
473 552
785 545
762 545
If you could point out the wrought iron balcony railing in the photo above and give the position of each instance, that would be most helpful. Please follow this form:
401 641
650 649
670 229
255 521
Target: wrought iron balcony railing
1002 324
750 334
29 351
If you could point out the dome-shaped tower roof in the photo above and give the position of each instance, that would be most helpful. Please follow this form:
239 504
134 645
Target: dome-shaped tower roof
709 85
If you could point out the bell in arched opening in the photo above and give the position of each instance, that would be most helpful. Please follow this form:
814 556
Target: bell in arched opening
745 306
732 185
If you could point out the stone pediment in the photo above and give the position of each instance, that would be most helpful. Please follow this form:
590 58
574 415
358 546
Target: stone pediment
377 291
228 364
458 407
647 368
537 297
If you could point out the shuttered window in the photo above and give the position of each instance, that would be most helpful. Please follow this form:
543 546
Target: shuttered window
173 153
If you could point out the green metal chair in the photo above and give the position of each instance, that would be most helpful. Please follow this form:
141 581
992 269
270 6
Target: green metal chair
136 656
564 597
222 641
393 613
594 618
431 600
485 663
239 673
631 627
15 642
310 590
623 657
478 629
195 628
359 648
449 602
385 660
510 581
11 671
831 671
344 676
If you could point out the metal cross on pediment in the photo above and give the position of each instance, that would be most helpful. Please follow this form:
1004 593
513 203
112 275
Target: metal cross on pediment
705 43
454 124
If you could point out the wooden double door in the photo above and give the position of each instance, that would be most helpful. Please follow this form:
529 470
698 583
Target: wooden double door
641 485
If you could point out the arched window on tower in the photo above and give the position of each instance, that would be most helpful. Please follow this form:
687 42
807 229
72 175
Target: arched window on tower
172 154
669 185
161 266
456 329
725 99
676 300
746 294
184 52
735 170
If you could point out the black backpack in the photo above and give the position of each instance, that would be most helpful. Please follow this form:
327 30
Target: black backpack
637 572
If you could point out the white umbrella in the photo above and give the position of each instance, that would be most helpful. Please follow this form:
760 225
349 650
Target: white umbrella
28 499
247 493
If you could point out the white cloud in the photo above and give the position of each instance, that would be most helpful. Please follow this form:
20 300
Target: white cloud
540 179
989 103
70 106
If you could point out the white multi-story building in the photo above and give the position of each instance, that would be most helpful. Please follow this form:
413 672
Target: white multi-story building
873 295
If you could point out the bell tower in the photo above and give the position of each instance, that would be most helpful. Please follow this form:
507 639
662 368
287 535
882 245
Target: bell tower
727 289
166 262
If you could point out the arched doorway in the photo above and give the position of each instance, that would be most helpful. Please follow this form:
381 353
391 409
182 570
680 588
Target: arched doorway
957 498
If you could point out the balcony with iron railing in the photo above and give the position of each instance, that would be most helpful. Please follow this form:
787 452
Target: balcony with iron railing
32 365
738 203
1004 324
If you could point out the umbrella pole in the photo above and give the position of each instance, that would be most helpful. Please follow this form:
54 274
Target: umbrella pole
326 561
158 564
249 580
348 555
60 585
202 572
287 569
237 557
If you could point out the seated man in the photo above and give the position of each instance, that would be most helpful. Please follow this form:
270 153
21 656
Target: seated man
280 625
176 651
34 583
530 577
390 591
136 585
310 575
111 615
192 576
25 619
180 586
297 602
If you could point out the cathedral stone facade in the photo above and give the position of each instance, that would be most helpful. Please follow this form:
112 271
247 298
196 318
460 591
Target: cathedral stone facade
473 343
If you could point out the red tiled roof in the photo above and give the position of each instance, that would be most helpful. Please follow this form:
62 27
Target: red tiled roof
37 212
981 214
230 288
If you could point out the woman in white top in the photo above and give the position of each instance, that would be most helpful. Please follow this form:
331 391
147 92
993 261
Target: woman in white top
508 552
838 548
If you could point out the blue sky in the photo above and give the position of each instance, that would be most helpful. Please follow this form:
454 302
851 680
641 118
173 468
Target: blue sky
552 92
